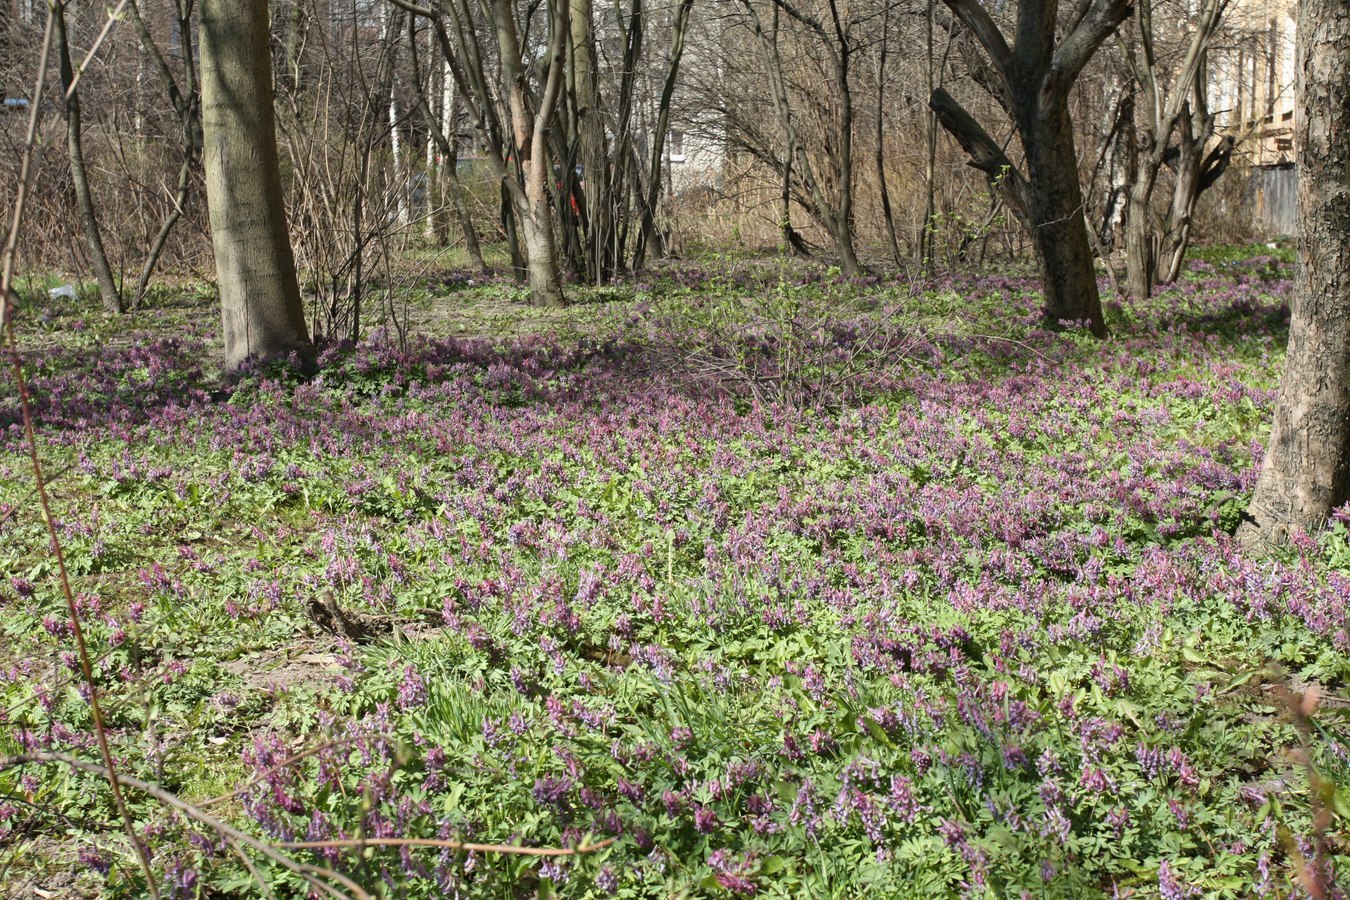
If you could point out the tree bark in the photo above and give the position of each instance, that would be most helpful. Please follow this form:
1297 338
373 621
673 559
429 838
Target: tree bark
1141 252
261 312
1306 471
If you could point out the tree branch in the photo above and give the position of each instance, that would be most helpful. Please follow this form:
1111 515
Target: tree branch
985 154
1098 24
973 15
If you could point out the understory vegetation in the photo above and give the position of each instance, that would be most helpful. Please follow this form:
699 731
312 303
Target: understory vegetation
782 584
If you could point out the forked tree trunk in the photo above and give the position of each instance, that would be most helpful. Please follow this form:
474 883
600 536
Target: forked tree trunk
1196 173
1031 79
1156 245
260 304
529 128
1306 471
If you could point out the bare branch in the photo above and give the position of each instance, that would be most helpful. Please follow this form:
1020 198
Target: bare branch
973 15
1101 20
312 874
985 154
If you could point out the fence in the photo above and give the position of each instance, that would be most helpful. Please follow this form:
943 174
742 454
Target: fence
1274 191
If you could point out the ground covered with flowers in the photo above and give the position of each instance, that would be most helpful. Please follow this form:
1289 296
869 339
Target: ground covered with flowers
968 622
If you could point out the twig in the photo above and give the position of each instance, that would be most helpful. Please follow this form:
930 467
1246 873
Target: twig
356 843
288 761
113 18
253 870
6 279
1007 340
310 873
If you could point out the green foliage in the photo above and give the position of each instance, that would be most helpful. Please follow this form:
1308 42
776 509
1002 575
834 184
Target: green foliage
973 627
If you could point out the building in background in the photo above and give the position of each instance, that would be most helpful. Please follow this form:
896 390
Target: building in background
1253 73
695 160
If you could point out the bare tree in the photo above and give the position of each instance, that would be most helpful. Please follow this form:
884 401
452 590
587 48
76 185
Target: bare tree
1306 471
530 117
1179 110
1031 80
515 127
648 199
879 148
186 102
443 130
831 34
98 256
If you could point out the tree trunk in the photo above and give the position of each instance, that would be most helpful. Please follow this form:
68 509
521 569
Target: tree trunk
1140 248
843 237
1197 172
1306 471
796 246
647 235
1059 231
930 156
542 256
530 125
594 205
84 199
1031 80
260 304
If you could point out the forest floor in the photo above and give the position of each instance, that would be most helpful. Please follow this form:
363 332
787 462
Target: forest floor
739 580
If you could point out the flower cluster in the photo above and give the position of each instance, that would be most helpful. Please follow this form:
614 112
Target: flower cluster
980 628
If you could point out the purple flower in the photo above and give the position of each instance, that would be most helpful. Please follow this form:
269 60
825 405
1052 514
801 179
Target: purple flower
551 791
607 881
1170 888
412 690
92 858
705 820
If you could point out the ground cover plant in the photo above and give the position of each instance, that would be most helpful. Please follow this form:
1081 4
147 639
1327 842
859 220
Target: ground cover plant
966 622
